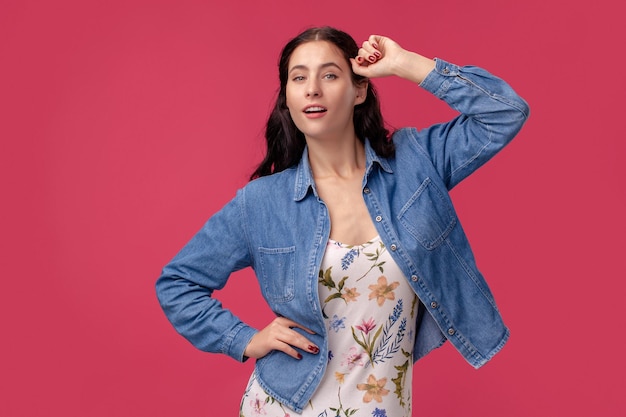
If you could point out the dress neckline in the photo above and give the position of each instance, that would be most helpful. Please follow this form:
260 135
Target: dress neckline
348 246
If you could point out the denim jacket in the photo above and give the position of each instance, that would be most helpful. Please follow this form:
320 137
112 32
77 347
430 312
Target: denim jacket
279 226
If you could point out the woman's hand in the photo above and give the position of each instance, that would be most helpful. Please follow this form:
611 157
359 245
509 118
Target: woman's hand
279 335
380 56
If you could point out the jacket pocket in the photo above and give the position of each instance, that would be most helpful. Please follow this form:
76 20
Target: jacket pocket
428 215
278 272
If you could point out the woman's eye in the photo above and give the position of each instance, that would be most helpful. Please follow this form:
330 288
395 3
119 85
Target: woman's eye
330 76
298 78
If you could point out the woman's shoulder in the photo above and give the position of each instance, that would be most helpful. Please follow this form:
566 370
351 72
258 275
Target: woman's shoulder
405 137
403 132
411 144
271 184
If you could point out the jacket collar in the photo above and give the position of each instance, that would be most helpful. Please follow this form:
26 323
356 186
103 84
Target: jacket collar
304 175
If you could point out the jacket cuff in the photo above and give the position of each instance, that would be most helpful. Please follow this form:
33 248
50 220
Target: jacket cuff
235 343
439 79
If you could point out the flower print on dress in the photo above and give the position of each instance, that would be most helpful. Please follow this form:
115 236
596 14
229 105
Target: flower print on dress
397 311
350 294
340 411
388 345
336 290
340 377
379 413
400 379
367 326
336 323
413 305
374 257
383 291
258 405
354 357
366 340
374 389
348 258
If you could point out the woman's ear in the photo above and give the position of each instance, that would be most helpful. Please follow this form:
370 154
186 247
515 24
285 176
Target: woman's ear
361 92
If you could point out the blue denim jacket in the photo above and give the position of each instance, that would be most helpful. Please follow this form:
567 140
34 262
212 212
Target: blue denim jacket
279 226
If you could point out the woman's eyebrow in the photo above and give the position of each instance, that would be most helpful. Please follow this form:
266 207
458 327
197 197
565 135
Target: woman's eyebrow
326 65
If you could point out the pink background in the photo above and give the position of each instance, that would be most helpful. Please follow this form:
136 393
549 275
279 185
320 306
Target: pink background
125 124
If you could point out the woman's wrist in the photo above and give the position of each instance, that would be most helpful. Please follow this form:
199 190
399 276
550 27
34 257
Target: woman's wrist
413 67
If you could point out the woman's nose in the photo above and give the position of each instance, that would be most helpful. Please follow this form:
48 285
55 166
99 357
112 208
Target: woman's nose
313 90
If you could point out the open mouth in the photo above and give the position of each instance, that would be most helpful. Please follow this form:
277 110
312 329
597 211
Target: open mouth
315 109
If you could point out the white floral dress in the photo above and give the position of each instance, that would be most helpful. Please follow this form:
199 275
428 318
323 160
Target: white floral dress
369 309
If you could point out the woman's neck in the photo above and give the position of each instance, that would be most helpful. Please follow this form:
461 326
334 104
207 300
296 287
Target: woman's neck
337 158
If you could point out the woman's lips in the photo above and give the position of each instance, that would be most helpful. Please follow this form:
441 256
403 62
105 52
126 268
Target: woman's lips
314 111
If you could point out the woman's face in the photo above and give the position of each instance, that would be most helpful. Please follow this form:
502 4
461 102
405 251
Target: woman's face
320 92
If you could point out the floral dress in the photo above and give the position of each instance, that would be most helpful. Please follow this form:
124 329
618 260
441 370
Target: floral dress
369 309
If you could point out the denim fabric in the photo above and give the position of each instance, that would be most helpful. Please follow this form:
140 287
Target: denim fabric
279 226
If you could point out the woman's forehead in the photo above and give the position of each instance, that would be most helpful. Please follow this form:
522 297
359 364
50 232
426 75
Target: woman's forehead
316 53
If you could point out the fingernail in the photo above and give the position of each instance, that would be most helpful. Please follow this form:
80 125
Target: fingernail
299 356
314 349
375 45
378 55
359 59
372 58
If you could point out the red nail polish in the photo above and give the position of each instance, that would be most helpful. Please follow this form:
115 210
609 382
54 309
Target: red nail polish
299 356
313 349
372 58
378 55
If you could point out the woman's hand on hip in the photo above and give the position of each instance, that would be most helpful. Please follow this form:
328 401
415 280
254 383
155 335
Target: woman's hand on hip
279 335
380 56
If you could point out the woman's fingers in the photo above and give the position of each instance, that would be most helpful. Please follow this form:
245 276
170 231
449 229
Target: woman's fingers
291 323
291 338
377 57
279 335
369 51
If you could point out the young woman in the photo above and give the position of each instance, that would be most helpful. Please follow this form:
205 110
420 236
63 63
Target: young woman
351 233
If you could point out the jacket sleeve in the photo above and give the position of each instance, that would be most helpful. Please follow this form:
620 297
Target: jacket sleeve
205 263
491 115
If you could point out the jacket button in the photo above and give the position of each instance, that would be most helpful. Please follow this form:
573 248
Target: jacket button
366 190
379 218
433 304
451 331
414 278
446 70
393 247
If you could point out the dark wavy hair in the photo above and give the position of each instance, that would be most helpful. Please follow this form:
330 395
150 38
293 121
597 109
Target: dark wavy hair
285 143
